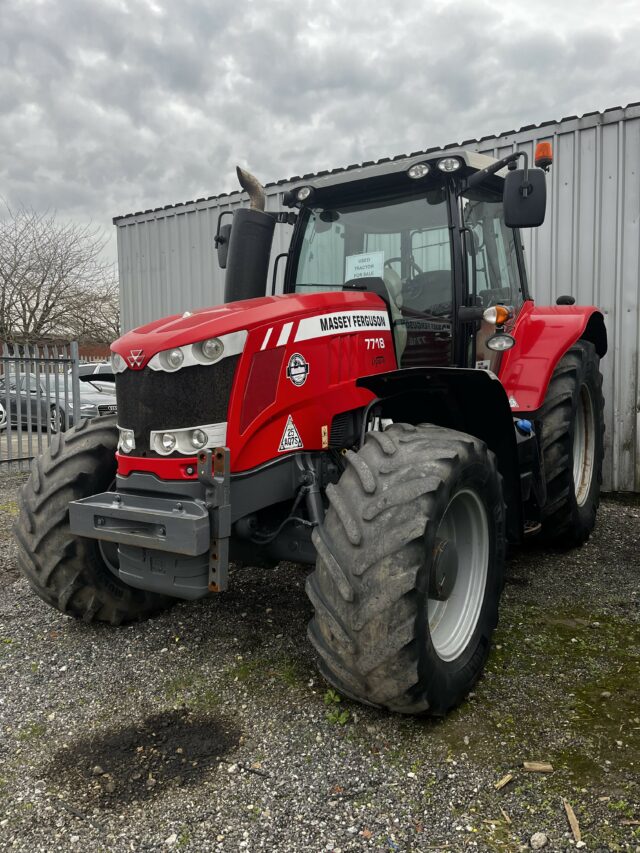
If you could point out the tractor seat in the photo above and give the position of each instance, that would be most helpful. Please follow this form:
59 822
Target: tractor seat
429 289
389 290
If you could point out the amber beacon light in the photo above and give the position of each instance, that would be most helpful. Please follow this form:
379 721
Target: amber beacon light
544 155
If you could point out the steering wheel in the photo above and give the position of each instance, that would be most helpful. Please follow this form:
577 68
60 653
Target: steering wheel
414 266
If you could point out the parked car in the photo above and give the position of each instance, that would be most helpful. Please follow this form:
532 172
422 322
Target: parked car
29 395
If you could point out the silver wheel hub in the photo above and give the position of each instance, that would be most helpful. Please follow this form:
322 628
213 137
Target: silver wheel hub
583 446
458 576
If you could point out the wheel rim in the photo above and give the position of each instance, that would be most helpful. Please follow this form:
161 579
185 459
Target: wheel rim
453 621
56 419
583 446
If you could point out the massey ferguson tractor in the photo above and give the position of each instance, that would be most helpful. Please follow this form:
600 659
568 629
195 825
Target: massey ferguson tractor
396 418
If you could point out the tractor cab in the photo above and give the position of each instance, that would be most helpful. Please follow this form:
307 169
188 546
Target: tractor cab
436 238
427 244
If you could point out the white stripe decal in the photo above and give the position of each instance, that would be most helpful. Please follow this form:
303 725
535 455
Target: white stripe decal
284 334
342 323
266 338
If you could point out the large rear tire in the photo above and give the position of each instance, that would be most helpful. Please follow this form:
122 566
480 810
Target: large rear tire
571 429
69 572
409 569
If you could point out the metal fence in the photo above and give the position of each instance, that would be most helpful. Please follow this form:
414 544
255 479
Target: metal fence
39 397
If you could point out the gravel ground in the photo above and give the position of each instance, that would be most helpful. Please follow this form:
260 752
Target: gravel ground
208 728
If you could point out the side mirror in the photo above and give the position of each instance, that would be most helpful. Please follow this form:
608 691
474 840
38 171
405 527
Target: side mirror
524 210
221 240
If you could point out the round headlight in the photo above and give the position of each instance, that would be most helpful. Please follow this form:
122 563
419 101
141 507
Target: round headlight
168 441
174 358
418 170
118 364
212 349
127 440
303 193
500 342
448 164
199 439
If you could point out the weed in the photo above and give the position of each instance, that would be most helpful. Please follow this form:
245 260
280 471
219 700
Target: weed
335 714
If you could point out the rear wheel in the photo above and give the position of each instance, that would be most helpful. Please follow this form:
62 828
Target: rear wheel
73 574
409 569
571 428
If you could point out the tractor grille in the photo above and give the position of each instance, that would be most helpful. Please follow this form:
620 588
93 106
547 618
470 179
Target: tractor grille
154 400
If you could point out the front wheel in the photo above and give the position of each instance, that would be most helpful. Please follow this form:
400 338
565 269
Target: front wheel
75 575
409 569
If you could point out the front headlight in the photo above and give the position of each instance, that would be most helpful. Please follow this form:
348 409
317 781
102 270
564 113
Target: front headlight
126 440
199 439
173 358
188 440
212 349
167 442
88 407
118 364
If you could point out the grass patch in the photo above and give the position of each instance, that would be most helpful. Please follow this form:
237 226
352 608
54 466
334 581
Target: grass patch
31 732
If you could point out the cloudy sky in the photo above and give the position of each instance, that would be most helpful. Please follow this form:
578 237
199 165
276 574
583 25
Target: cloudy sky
119 105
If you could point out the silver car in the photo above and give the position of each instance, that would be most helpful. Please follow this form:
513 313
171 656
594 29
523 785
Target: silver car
41 401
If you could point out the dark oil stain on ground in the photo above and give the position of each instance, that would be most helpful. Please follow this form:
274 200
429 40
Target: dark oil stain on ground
140 761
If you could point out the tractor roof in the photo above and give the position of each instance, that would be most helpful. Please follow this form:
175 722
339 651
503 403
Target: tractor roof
472 159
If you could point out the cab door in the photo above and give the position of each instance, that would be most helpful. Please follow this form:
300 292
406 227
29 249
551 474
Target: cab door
495 273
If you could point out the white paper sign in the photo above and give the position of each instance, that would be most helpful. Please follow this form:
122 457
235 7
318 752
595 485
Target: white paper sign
370 265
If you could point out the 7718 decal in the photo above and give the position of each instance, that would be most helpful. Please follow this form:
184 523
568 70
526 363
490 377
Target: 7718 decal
375 343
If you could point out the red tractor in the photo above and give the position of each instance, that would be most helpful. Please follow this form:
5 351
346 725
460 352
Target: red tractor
396 418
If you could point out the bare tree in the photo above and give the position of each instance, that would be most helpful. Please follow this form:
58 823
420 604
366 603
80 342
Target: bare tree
54 280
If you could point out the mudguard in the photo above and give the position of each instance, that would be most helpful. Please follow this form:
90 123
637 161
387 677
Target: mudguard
543 335
465 399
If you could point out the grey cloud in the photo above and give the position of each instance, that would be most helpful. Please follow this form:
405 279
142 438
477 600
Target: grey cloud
109 107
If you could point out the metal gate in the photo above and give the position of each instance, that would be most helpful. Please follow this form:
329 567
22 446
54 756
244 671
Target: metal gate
39 397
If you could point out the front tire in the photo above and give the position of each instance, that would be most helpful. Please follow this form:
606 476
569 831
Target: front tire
69 572
409 569
571 429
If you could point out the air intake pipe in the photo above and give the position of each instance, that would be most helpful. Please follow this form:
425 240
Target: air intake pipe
249 244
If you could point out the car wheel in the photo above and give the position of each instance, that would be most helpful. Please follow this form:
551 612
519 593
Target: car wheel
57 419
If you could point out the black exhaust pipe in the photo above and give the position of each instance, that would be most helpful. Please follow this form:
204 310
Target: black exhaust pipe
249 244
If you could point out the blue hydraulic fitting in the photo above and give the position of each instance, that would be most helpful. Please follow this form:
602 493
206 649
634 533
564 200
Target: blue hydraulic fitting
525 427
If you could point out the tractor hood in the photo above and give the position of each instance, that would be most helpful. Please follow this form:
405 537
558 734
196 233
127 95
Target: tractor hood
140 345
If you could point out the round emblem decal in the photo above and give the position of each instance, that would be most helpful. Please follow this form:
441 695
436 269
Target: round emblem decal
297 369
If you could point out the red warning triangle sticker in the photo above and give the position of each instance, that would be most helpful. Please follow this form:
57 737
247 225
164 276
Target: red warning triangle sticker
290 437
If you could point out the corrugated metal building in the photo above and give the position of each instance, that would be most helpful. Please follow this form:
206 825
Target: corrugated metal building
589 247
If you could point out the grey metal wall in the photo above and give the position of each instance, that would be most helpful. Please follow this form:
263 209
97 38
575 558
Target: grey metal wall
589 247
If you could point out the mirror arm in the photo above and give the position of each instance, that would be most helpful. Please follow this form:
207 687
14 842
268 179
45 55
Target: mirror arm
286 217
218 240
274 278
509 160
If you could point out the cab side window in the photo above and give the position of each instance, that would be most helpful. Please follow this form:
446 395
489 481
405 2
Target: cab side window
494 247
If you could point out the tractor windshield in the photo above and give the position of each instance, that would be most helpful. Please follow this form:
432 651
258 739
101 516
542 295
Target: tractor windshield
404 242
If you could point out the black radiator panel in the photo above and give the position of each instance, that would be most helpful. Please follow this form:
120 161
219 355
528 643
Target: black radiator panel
155 400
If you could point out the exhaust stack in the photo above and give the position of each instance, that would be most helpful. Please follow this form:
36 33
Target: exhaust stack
252 186
249 244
